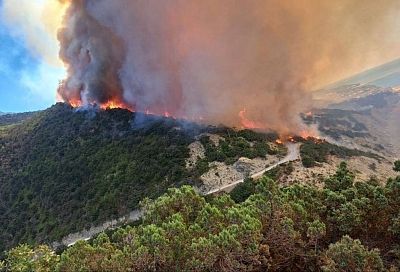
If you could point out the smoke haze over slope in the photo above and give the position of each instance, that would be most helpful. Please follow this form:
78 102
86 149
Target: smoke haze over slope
212 59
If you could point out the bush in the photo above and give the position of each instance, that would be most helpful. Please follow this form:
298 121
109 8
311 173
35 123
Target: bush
396 166
350 255
243 190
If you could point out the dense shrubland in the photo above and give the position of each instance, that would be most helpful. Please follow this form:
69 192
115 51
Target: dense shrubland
63 170
15 118
345 226
235 144
314 151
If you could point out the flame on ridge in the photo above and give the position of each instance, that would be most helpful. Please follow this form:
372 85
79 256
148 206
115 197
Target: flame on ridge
247 123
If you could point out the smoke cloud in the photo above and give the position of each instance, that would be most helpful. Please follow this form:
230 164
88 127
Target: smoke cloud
37 22
219 60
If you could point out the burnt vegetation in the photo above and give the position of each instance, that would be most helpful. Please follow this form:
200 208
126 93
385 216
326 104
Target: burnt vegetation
337 123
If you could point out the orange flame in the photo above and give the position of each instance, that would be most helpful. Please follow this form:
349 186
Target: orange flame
247 123
75 103
279 141
305 134
309 114
114 105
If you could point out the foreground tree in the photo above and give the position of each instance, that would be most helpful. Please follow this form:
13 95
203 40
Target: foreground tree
350 255
274 228
26 259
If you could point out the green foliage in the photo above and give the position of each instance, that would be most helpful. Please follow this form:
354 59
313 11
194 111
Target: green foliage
313 152
267 228
69 175
350 255
243 190
26 259
396 166
181 233
341 180
279 171
237 144
316 230
15 118
64 170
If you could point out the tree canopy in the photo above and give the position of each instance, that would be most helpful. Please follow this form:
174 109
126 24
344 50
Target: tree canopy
345 226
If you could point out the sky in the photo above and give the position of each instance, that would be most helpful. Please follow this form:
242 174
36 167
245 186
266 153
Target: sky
28 81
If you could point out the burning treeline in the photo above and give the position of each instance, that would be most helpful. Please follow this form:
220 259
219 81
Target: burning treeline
225 61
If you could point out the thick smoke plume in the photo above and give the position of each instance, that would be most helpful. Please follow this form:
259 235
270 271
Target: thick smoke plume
226 61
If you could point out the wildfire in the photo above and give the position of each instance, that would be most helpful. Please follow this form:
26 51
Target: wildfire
114 105
247 123
309 114
75 103
305 134
244 120
279 141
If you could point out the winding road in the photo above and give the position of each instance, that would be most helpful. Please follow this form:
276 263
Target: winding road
293 154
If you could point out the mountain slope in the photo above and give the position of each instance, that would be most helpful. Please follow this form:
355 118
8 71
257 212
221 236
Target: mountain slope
260 226
63 170
385 75
361 116
14 118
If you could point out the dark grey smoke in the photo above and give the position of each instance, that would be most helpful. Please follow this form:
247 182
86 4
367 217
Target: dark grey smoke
94 55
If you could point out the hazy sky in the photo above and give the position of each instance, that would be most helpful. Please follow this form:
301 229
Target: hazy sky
27 81
30 71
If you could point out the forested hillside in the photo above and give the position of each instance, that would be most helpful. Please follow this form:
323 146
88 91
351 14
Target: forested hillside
63 170
345 226
14 118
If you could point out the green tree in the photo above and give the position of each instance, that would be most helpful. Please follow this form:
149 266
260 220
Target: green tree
350 255
243 190
347 217
20 259
341 180
397 166
25 259
315 231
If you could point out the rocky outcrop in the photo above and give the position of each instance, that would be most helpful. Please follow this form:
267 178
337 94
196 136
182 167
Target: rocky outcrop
196 152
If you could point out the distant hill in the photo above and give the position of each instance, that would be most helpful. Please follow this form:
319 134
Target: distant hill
14 118
386 75
342 94
361 116
371 99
